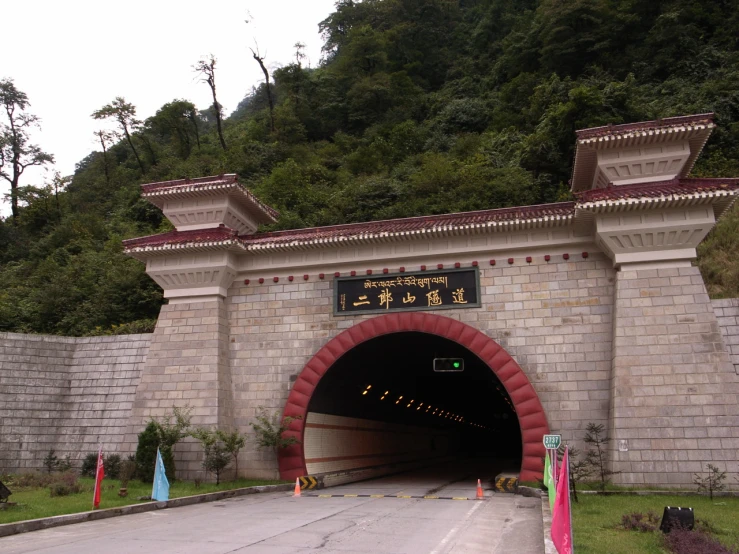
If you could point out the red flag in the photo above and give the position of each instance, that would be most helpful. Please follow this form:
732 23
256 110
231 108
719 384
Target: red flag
99 475
561 517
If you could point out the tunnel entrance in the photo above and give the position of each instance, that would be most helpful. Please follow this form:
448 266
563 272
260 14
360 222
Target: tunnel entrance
370 397
383 403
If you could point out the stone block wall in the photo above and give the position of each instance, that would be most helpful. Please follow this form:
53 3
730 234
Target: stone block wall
675 404
727 315
186 367
554 318
66 394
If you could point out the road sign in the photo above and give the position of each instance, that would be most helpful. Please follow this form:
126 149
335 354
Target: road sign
552 441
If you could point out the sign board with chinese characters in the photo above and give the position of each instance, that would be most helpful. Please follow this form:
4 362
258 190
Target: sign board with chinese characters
552 441
425 290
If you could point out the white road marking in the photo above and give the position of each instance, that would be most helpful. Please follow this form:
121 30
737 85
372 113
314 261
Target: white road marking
455 529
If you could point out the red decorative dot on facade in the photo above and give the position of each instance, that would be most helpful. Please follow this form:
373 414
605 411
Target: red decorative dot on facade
321 275
510 260
423 268
584 254
276 279
261 280
547 258
566 256
246 281
369 272
353 273
384 270
305 277
439 266
457 265
290 278
337 274
402 270
492 262
474 264
528 259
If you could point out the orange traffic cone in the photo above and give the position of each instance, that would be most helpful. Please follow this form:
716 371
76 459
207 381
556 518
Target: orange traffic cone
480 494
297 487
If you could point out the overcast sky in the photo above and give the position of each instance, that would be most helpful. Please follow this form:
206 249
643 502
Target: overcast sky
72 57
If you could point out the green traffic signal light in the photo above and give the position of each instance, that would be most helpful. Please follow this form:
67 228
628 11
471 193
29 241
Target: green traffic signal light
446 365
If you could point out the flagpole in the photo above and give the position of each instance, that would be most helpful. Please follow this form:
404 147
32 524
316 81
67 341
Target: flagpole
97 472
569 494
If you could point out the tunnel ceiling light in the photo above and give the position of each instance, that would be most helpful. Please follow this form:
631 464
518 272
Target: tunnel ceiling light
365 392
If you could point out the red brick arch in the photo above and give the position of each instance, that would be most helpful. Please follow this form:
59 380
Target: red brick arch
531 416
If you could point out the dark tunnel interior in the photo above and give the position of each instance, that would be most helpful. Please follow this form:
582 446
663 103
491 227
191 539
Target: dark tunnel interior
392 378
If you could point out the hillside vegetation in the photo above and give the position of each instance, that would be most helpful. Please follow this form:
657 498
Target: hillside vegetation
420 107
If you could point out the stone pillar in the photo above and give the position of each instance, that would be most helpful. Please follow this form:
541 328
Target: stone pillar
675 395
187 366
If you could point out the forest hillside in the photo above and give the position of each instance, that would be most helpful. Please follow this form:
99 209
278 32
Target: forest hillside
419 107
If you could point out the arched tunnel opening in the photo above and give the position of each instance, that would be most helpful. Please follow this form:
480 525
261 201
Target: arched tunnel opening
383 404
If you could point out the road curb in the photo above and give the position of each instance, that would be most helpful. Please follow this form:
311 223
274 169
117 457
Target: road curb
8 529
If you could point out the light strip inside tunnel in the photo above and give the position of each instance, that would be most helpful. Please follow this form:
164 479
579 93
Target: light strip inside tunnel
443 413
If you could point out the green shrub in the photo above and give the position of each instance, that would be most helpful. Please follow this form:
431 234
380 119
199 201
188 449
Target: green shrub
112 465
64 484
59 489
146 452
89 465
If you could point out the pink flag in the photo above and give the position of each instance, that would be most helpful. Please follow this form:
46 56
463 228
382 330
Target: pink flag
561 517
99 475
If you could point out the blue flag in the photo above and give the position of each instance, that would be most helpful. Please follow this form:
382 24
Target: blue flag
161 485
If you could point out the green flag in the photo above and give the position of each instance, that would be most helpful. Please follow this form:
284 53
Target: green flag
549 480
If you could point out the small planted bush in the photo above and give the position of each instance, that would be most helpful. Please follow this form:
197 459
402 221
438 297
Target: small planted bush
65 484
89 465
112 465
683 541
637 521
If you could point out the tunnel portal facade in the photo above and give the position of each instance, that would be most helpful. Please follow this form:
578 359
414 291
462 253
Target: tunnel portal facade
585 311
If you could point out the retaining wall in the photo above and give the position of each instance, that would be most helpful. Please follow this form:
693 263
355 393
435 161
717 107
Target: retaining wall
65 394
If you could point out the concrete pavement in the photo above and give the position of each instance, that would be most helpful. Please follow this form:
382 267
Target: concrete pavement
276 523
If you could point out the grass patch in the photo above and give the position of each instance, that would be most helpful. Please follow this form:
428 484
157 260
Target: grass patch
597 522
36 502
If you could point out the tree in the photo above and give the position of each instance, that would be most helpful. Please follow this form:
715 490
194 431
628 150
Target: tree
597 456
173 123
51 461
233 442
171 429
146 452
16 152
125 115
260 60
713 482
106 139
270 428
207 68
216 454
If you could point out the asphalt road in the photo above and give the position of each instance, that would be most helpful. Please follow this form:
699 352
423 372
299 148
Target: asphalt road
277 523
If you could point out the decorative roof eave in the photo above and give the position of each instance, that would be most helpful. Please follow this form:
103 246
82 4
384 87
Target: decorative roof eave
158 193
643 136
720 199
696 129
399 236
657 126
144 252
